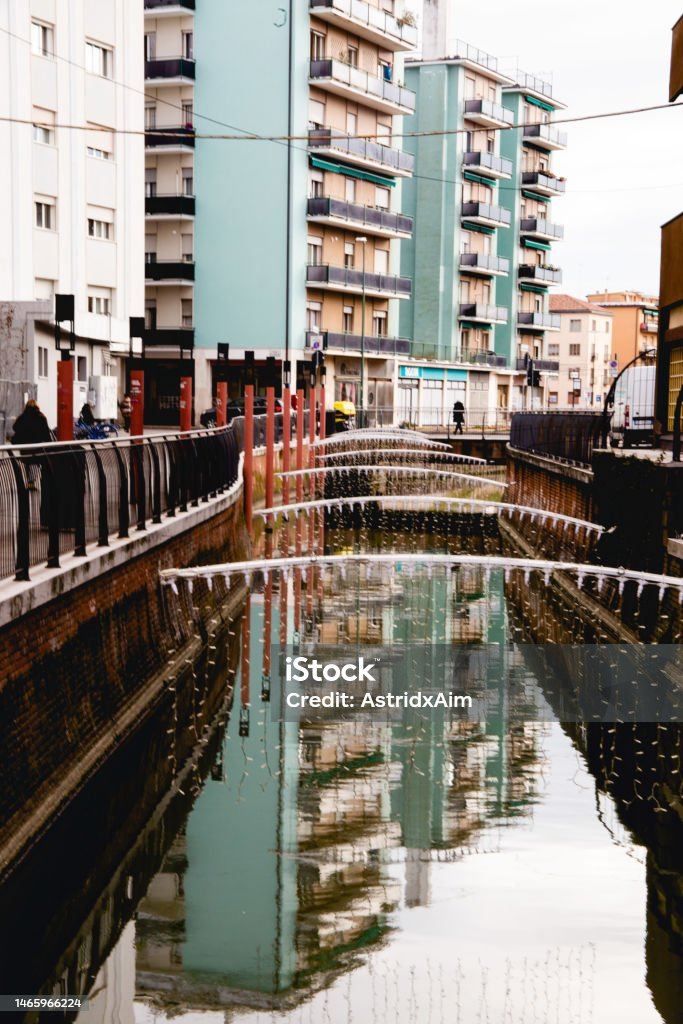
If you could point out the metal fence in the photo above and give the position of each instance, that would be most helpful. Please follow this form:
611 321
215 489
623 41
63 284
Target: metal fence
570 436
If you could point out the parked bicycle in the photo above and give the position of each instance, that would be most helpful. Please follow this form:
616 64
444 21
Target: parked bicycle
97 431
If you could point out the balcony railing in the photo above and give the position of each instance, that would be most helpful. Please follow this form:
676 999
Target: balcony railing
368 22
545 136
165 270
483 262
543 365
487 110
369 218
479 358
156 5
372 344
486 212
650 327
541 275
170 67
352 280
544 182
172 205
361 150
176 136
483 311
380 93
533 83
488 162
169 337
539 226
539 321
464 51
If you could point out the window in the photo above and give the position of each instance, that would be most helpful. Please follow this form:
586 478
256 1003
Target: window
41 39
381 261
379 323
553 349
42 361
349 254
315 183
186 312
490 142
594 326
350 190
150 182
43 134
150 248
81 368
465 241
98 154
351 122
100 229
188 115
347 320
313 311
43 126
150 314
188 181
352 56
315 250
99 60
575 326
575 349
187 247
188 45
470 87
382 198
464 290
317 46
316 113
150 45
150 116
45 215
100 304
552 398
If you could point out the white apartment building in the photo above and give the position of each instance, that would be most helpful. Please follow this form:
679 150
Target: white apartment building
71 196
583 347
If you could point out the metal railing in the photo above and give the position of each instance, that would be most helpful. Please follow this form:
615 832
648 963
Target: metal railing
542 179
177 135
380 89
170 67
352 279
481 422
151 5
483 311
479 357
372 17
355 213
361 149
170 203
372 344
472 53
541 226
486 211
570 436
164 270
489 109
484 261
541 134
488 162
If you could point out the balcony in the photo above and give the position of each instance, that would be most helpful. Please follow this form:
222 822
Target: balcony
169 271
542 365
368 22
169 71
478 357
537 227
538 321
351 83
486 214
544 137
544 183
324 210
170 140
529 274
176 206
488 164
167 8
372 344
484 264
348 279
483 312
488 114
361 152
650 327
169 337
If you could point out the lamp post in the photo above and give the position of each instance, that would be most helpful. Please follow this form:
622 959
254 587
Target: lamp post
363 241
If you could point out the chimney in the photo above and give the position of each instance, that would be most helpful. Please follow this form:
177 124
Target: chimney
438 19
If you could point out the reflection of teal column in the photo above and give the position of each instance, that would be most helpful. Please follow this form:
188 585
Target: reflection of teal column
240 886
496 773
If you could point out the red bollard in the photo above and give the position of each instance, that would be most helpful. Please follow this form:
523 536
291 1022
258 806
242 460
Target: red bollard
186 403
286 440
221 404
300 443
323 423
65 400
249 455
137 403
270 450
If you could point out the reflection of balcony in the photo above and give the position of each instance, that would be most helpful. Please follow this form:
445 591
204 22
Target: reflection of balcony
484 264
352 83
537 227
483 312
372 344
366 21
486 214
348 279
324 210
169 71
538 321
542 365
169 337
488 113
362 152
169 271
544 183
543 136
529 274
176 206
488 163
170 140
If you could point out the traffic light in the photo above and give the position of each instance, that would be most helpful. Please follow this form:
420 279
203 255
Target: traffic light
536 379
530 373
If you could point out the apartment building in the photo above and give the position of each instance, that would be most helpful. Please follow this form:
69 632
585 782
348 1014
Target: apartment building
635 322
70 197
479 254
583 348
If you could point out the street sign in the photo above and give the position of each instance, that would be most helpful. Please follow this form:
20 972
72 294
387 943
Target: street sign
316 342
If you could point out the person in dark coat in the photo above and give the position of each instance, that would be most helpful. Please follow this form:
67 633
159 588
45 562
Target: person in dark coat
30 426
87 416
458 417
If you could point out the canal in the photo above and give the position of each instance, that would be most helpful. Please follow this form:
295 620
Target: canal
423 866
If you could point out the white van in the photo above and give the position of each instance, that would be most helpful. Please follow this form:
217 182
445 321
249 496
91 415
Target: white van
633 419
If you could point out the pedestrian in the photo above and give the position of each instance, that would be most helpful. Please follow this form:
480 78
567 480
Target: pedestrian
31 427
87 415
126 407
458 417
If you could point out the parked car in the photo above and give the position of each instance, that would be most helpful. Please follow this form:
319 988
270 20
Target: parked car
236 408
633 419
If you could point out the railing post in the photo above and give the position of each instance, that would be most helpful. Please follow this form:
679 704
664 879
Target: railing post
102 517
286 438
156 483
270 450
124 510
300 426
65 399
249 455
23 511
311 440
186 403
77 460
221 403
137 402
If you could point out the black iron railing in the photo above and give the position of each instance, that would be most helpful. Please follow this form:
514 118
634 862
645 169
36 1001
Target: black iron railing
570 436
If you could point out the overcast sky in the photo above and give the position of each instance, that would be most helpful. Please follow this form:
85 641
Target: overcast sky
625 175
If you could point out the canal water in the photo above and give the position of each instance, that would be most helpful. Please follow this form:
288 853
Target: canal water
425 868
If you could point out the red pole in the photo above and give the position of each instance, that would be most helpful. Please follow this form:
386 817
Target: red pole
221 404
248 454
137 403
270 449
300 443
186 403
311 439
65 400
286 438
323 423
